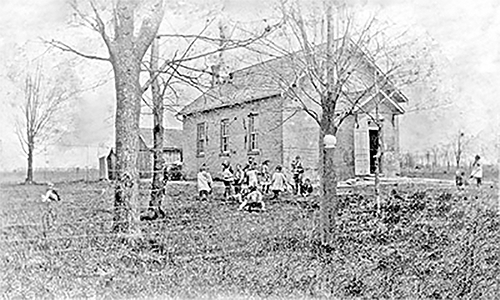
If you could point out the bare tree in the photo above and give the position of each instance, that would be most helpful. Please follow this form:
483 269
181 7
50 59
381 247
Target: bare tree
131 27
181 72
44 102
331 75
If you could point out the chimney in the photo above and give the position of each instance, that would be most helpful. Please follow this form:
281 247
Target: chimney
220 74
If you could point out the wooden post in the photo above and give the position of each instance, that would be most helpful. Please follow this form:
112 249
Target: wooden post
378 152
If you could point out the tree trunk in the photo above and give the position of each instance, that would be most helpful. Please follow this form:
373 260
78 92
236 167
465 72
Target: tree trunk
126 67
328 208
29 173
328 103
158 185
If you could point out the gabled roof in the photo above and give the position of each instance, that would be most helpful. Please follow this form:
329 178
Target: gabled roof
260 81
248 84
386 100
172 138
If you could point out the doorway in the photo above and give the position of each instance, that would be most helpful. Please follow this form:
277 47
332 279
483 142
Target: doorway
373 135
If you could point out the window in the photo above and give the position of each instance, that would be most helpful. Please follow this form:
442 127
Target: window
252 132
200 138
224 136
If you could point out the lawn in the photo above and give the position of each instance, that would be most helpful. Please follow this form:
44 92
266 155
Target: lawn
426 243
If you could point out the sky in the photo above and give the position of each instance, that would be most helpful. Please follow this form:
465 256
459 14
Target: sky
465 36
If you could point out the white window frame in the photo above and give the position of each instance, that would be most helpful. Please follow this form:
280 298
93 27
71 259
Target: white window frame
253 135
224 136
201 138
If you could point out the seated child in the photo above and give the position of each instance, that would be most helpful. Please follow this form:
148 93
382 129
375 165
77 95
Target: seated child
460 179
306 188
253 201
51 194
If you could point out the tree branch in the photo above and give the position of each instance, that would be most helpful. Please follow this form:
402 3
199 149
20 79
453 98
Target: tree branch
149 27
64 47
101 28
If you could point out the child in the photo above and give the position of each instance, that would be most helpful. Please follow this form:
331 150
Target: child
297 171
51 194
459 179
240 194
265 177
204 183
253 201
278 182
251 175
306 188
239 176
227 179
477 171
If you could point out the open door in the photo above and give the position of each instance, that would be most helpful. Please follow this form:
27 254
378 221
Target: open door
374 144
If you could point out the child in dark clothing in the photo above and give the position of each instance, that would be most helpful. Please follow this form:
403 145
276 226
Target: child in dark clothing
227 179
297 171
265 177
460 179
306 188
239 177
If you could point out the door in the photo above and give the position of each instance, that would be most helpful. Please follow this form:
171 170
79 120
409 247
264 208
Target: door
374 144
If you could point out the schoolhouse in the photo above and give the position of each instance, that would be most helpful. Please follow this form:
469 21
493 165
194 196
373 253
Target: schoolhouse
251 112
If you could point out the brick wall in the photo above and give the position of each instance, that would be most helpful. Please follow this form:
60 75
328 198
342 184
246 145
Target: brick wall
283 133
344 152
144 161
268 127
300 138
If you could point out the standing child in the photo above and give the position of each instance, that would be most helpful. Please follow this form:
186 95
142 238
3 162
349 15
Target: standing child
265 177
278 182
477 171
227 179
251 175
204 183
297 171
239 176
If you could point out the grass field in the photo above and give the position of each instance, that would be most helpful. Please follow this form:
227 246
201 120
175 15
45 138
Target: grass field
427 243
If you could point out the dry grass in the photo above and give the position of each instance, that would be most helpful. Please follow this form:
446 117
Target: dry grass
426 243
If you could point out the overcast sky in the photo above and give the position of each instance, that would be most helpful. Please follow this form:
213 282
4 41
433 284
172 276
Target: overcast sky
466 33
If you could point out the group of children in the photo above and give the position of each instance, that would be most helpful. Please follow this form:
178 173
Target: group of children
249 184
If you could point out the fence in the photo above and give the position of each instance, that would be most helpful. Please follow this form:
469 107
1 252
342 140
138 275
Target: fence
53 175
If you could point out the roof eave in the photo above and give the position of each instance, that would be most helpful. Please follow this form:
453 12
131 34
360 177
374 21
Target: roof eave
229 104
